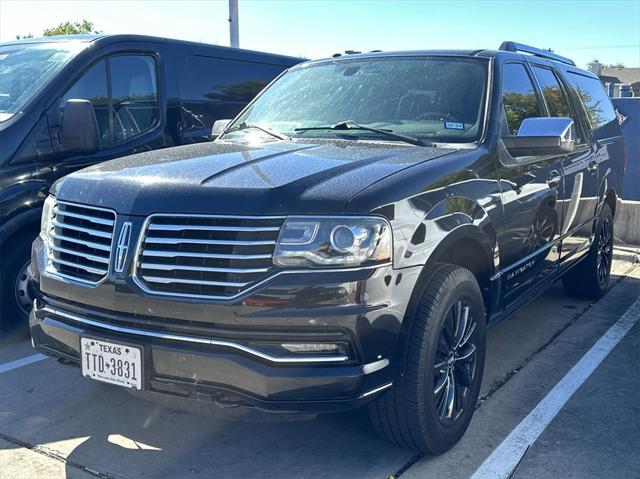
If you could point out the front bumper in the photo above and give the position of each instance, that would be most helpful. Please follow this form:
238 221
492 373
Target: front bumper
218 373
215 352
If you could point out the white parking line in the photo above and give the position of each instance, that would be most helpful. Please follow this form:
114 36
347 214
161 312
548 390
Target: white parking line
506 457
18 363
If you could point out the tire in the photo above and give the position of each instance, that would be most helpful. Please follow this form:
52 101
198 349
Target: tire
411 413
15 302
590 277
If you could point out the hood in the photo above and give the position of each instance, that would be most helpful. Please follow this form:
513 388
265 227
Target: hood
230 178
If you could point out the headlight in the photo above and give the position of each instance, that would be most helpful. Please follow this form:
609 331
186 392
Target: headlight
333 242
46 220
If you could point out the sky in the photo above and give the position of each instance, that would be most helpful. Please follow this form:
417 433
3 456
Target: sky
580 29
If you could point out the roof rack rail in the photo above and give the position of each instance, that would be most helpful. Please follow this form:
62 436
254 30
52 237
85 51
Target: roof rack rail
520 47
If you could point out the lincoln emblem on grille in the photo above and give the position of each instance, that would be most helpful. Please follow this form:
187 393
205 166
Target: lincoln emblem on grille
122 247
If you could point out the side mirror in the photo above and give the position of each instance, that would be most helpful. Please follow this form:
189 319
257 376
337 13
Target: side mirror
80 132
218 127
542 136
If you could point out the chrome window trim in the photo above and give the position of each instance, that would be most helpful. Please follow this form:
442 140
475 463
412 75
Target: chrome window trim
72 279
193 339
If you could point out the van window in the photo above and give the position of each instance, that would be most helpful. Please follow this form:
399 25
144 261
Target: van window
133 94
554 96
594 99
518 96
93 86
223 80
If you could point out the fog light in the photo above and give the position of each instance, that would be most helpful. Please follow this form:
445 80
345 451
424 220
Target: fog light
313 347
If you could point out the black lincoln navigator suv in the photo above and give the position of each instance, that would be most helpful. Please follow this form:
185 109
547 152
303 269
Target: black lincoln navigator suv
345 241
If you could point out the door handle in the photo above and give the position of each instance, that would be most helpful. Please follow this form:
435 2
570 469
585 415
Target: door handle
554 179
593 167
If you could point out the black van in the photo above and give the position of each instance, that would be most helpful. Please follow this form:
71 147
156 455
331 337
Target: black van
142 93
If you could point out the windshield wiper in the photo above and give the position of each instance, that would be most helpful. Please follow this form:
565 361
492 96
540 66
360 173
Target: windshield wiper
269 131
352 125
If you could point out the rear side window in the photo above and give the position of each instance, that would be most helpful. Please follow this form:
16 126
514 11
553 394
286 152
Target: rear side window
554 96
518 96
594 100
128 104
221 80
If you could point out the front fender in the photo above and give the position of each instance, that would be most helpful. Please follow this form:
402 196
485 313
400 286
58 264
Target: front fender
419 238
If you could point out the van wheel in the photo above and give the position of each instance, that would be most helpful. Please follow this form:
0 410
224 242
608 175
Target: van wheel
590 277
15 300
429 406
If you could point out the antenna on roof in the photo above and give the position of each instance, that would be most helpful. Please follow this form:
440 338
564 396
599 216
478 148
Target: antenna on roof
548 54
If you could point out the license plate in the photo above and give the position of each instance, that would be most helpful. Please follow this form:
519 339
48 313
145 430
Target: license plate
111 362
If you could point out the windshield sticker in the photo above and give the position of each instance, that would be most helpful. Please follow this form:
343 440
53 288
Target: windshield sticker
454 125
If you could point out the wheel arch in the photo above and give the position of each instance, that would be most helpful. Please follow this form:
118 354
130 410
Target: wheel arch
17 225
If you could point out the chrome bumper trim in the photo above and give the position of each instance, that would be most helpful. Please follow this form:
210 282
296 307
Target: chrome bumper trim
377 390
193 339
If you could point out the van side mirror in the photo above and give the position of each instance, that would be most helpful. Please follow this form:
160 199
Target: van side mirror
218 127
80 132
542 136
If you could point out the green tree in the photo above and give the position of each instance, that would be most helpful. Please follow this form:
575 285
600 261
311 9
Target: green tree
68 28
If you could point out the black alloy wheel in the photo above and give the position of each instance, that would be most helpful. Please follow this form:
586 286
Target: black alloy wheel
429 406
455 362
605 250
590 277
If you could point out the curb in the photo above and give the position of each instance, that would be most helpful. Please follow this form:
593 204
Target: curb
628 254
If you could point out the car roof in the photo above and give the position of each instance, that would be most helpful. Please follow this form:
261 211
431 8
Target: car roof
479 53
56 38
112 38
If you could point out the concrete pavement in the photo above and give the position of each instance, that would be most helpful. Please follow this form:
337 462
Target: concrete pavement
54 423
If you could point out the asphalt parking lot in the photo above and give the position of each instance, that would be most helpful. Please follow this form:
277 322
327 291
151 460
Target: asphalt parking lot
559 361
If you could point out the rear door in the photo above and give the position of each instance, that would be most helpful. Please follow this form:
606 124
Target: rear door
603 135
579 169
531 190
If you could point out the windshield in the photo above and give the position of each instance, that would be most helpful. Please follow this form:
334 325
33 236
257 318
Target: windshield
25 69
432 98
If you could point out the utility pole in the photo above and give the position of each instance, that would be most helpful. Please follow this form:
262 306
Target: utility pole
234 28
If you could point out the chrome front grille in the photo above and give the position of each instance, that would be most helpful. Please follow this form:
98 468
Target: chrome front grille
80 242
205 256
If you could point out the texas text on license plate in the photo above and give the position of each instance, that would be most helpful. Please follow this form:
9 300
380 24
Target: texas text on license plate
111 362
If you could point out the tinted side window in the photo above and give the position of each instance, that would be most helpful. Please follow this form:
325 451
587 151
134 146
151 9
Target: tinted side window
594 99
554 95
518 96
228 80
133 92
92 86
134 95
